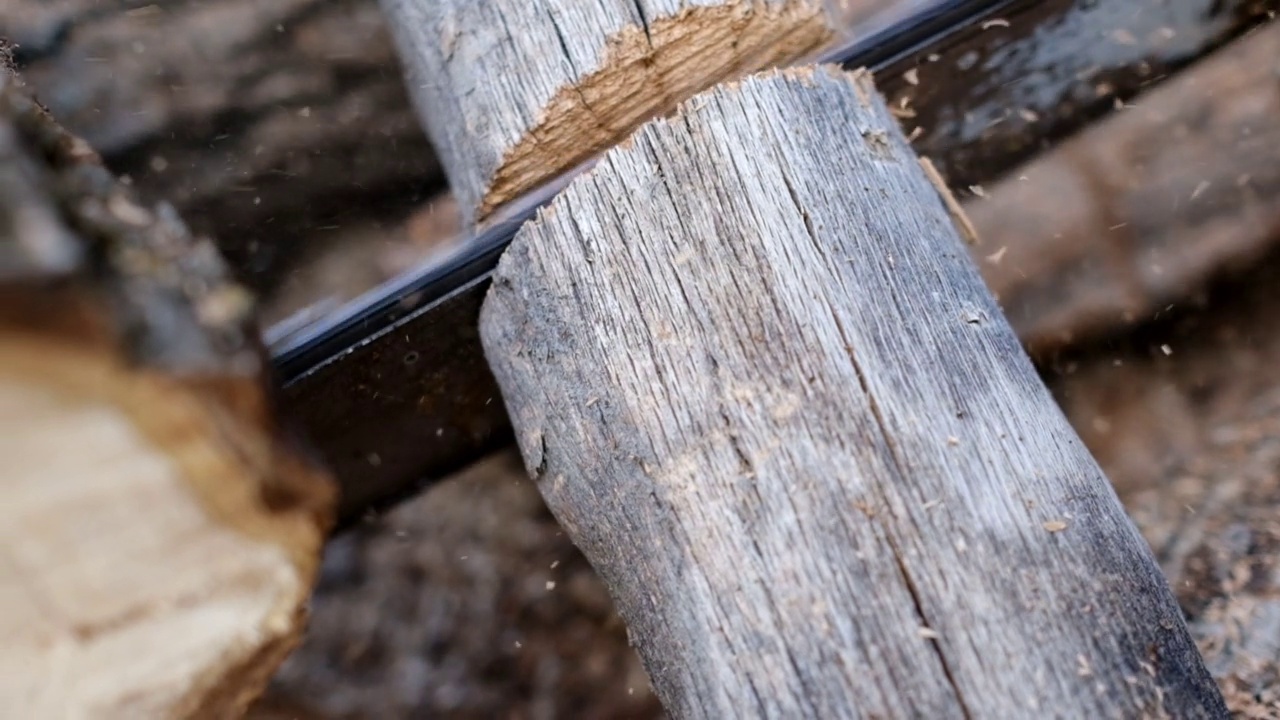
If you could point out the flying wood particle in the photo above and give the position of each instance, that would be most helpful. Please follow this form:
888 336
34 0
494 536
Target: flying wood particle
996 257
1124 37
1083 669
928 633
912 76
1166 349
1055 526
994 23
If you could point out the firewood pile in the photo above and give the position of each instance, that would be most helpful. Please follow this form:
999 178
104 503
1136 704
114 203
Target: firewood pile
1121 200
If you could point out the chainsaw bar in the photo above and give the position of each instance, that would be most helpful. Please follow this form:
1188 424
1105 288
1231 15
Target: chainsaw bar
393 389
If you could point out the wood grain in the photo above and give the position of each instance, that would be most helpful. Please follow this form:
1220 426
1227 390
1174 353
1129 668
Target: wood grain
763 389
515 93
158 533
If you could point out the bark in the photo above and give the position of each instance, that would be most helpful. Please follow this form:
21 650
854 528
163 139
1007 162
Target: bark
588 74
252 116
158 536
762 389
1144 208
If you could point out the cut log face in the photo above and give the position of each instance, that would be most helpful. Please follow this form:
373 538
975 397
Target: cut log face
158 536
763 389
508 112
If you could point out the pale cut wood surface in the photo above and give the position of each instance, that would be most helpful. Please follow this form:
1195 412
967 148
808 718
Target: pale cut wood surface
158 534
763 389
1142 209
514 93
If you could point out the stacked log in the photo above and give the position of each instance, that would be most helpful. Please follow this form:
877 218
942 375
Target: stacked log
160 531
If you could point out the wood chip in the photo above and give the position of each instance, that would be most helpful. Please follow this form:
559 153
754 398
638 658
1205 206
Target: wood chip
1055 526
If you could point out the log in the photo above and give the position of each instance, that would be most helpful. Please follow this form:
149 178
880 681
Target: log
1144 208
589 73
1185 420
762 388
158 536
251 116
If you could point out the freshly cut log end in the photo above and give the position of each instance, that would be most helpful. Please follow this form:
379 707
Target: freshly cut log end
516 93
764 390
158 535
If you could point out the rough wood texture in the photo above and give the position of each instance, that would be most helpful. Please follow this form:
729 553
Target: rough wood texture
1144 208
1186 418
764 391
515 93
158 537
251 116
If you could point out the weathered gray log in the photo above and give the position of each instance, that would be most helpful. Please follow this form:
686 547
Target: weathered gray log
159 535
1191 439
250 116
515 93
1144 208
763 389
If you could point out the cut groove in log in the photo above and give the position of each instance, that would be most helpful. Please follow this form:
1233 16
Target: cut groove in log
1144 208
507 112
763 389
158 536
